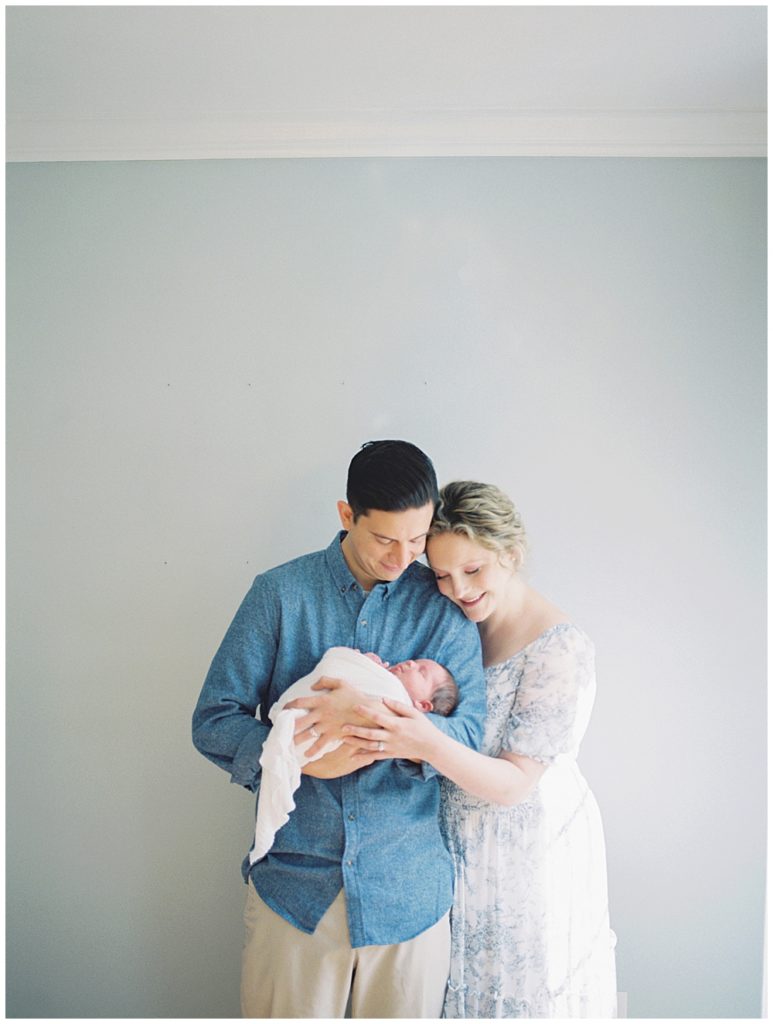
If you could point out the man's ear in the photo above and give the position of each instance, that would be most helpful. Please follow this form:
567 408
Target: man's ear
423 705
345 514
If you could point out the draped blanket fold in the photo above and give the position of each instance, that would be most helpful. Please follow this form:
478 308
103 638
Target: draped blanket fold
282 759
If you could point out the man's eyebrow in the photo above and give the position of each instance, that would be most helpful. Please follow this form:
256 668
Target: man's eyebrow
382 536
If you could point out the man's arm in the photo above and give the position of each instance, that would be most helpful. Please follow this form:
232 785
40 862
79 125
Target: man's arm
461 655
225 729
342 761
460 649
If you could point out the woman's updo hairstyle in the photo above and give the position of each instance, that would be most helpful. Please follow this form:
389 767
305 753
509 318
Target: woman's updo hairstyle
482 513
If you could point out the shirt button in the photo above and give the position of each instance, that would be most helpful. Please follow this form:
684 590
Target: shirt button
363 622
343 590
352 817
350 863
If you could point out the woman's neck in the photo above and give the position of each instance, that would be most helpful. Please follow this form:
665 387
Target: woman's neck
522 616
506 618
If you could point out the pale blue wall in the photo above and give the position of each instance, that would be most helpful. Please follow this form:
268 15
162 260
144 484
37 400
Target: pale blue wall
195 350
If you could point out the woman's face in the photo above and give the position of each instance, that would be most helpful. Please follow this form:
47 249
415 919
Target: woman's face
472 576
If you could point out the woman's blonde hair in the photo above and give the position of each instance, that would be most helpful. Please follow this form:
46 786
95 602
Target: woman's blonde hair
482 513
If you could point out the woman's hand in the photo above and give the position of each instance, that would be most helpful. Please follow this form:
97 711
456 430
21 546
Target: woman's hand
328 713
397 730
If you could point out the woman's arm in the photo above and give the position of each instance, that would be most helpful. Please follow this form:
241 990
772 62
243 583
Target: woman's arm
402 731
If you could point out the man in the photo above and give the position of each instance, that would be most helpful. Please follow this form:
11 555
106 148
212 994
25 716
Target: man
351 903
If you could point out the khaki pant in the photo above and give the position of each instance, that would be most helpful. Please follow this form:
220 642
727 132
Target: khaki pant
287 973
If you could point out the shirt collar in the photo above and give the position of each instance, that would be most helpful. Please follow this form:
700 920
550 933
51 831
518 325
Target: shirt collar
342 574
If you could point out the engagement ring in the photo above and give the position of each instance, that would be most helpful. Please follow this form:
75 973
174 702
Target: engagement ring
313 732
381 746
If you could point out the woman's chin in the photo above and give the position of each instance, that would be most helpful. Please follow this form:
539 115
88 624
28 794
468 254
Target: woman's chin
474 609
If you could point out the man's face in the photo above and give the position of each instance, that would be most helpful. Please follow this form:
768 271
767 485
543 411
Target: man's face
381 545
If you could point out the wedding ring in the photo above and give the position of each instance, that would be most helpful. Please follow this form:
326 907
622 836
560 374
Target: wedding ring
313 733
381 746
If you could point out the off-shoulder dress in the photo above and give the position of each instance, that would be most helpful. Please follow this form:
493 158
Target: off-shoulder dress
530 921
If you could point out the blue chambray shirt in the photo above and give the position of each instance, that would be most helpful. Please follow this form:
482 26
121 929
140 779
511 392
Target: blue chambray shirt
375 832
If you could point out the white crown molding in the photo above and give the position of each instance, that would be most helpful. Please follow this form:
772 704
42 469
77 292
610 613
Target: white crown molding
380 133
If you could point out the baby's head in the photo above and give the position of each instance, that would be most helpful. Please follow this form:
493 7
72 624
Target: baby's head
430 686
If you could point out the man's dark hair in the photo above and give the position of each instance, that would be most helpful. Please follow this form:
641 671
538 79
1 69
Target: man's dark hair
390 476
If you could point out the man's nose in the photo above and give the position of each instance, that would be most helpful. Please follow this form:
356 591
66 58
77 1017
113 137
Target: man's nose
403 555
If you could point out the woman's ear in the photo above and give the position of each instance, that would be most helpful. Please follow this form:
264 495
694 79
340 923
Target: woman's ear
345 514
512 559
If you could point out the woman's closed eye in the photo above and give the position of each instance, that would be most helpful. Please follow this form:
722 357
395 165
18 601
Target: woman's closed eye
467 572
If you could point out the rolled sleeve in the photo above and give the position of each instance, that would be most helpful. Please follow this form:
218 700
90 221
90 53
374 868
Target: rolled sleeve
225 729
246 770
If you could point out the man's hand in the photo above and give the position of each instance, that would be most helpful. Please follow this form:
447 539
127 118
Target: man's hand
329 713
342 761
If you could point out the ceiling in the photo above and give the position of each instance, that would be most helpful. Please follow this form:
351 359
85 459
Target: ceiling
188 82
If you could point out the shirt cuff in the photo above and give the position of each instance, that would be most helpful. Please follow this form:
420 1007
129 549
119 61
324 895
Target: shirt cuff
246 768
421 772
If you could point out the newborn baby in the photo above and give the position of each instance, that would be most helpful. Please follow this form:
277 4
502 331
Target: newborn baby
429 686
423 683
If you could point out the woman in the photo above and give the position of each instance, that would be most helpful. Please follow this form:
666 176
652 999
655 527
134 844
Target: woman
530 924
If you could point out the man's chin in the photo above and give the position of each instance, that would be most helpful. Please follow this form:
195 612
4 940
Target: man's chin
390 574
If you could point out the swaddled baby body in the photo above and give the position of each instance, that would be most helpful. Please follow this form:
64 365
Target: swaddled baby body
423 683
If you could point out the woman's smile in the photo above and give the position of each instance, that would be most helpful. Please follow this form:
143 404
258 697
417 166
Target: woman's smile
460 565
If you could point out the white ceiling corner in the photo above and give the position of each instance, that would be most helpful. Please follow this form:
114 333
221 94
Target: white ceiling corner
125 83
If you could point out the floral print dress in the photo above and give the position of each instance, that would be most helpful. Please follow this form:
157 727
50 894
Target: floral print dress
530 933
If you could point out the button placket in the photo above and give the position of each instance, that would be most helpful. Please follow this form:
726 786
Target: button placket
351 834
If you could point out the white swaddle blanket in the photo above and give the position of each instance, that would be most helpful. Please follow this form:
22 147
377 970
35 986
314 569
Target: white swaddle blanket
282 760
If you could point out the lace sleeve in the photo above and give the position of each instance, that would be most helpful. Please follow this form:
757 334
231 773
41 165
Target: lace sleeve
554 698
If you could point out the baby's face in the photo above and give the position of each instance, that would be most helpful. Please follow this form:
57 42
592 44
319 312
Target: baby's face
420 678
